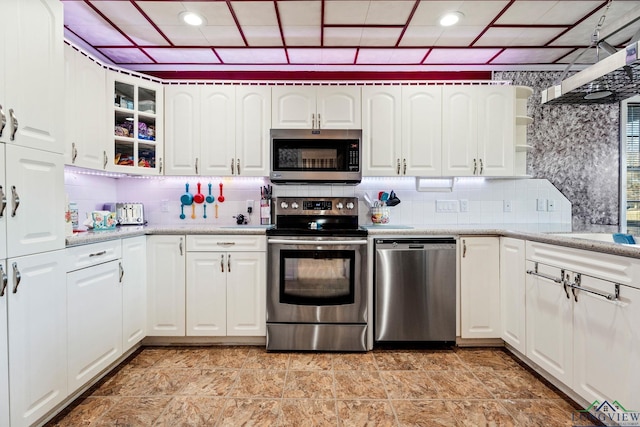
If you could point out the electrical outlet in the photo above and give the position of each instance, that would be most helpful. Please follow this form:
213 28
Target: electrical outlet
551 205
447 206
249 206
541 205
506 205
464 205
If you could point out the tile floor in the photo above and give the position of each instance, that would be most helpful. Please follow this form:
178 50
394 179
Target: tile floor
235 386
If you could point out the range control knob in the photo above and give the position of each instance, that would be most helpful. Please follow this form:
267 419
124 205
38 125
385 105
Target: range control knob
339 205
349 205
284 205
294 205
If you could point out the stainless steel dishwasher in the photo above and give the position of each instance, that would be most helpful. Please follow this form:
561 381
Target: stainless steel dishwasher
415 290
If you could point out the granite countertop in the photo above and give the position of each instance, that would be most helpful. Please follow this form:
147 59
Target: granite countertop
587 238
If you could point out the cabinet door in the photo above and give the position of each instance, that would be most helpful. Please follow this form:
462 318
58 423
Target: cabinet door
166 290
381 130
182 129
4 348
246 293
338 107
512 292
607 344
293 107
480 287
549 330
134 291
207 293
37 335
38 178
421 130
496 130
459 131
94 321
4 209
253 123
34 74
217 129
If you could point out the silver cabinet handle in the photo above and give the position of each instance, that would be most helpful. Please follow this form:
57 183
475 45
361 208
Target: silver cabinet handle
222 263
97 254
3 119
3 201
105 159
313 121
475 166
74 152
5 280
181 246
15 200
160 164
229 263
238 166
404 172
14 124
225 243
196 166
121 271
16 277
318 120
464 249
232 166
398 167
481 167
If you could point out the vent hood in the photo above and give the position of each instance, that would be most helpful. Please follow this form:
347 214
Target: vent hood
618 74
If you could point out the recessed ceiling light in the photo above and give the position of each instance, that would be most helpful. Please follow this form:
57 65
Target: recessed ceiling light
450 18
192 18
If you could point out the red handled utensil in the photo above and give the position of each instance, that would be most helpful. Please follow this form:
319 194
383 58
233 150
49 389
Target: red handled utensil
221 197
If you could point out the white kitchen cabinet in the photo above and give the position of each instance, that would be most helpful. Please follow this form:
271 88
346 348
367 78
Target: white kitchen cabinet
135 123
381 130
479 287
253 119
32 74
94 316
606 343
478 130
512 292
421 131
549 324
85 108
4 347
226 289
35 201
166 289
316 107
4 199
134 291
37 335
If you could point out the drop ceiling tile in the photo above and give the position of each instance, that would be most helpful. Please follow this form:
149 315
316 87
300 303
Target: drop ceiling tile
460 36
300 13
389 12
321 56
530 56
259 13
513 36
421 35
100 35
184 35
475 12
345 12
435 35
168 12
121 13
252 56
546 12
144 36
222 35
295 35
587 56
126 56
79 13
258 35
380 36
184 56
350 36
460 56
391 56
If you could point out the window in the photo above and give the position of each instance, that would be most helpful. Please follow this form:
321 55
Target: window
630 170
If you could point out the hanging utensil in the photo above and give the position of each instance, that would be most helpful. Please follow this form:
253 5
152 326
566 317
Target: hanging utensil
198 197
186 199
221 197
204 215
216 209
210 198
193 211
182 216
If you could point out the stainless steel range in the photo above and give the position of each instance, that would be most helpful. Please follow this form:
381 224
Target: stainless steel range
316 283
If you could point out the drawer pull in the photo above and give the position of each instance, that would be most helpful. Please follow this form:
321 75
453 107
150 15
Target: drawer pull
226 243
15 200
5 280
3 120
3 200
121 271
98 254
14 124
16 277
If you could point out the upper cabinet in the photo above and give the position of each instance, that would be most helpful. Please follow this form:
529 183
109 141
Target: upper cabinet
253 116
137 119
478 130
381 131
316 107
522 121
32 74
85 108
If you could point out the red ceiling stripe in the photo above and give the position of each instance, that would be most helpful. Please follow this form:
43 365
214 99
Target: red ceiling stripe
355 57
235 19
504 9
426 55
284 43
495 56
153 24
322 23
406 25
578 22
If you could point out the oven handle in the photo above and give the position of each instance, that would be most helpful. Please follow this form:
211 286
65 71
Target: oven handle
318 242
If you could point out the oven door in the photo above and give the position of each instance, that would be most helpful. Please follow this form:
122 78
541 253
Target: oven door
316 280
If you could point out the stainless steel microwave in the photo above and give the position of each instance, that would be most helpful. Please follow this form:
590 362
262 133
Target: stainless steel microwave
308 156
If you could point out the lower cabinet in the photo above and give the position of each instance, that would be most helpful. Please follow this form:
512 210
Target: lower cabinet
37 335
134 291
479 287
4 348
512 292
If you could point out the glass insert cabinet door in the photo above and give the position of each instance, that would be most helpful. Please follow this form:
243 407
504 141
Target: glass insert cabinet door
317 277
137 126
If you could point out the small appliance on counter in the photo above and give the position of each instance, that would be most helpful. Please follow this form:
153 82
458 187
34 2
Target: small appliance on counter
127 213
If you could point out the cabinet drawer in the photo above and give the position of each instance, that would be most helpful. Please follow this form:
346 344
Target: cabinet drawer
227 243
618 269
96 253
